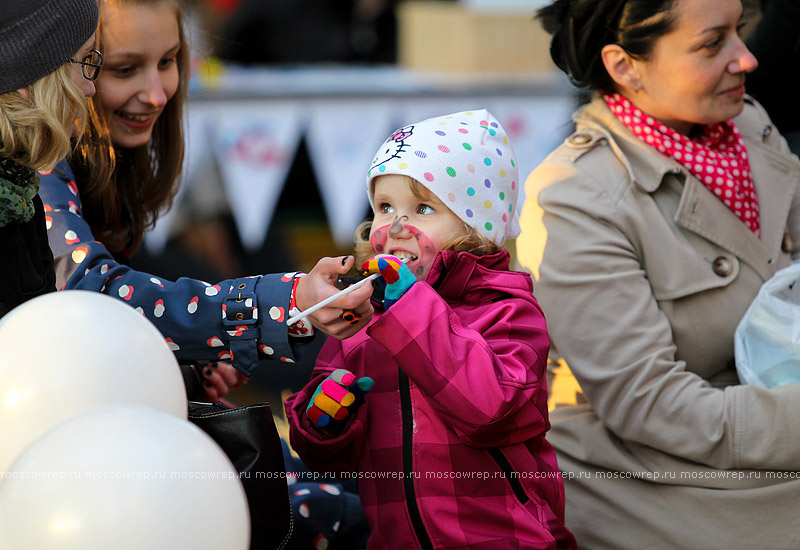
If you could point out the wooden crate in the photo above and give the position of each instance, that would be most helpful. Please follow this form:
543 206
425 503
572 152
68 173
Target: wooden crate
446 36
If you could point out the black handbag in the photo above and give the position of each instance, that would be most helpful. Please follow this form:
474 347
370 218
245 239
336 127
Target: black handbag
250 439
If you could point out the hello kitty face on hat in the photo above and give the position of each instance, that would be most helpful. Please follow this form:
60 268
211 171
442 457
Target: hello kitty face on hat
393 146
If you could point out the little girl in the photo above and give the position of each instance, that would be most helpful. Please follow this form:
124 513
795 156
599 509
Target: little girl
448 444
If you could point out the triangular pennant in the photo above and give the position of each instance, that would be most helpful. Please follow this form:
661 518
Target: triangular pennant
341 146
255 147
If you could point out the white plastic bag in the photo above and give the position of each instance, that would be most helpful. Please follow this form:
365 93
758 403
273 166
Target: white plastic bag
767 340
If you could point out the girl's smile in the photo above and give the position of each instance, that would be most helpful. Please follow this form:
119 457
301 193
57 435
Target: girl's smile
140 74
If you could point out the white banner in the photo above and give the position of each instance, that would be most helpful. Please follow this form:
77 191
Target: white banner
255 144
342 138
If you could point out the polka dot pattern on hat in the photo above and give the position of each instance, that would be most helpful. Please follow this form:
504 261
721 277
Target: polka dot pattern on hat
466 160
718 159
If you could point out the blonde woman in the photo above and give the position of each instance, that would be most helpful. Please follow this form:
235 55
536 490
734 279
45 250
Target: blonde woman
47 68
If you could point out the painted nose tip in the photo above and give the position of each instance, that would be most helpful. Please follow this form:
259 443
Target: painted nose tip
398 227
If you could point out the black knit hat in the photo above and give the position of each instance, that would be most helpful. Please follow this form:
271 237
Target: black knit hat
38 36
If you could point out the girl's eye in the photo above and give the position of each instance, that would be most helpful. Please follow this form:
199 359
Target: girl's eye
739 28
385 208
166 62
123 71
425 209
713 45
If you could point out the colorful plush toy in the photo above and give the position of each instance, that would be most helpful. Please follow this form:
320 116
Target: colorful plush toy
336 398
396 274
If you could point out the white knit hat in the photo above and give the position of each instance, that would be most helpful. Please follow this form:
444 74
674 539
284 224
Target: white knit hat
466 160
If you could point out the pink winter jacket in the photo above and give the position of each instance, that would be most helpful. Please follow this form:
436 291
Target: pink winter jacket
449 447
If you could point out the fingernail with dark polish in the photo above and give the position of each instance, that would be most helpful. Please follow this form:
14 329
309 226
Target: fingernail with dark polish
207 372
213 365
344 260
207 384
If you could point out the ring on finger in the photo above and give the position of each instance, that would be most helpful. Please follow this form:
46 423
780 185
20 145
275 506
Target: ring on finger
350 316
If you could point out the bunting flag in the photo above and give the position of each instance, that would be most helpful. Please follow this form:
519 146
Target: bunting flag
255 145
252 144
342 138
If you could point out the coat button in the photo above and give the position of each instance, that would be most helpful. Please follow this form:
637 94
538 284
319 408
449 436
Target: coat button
580 139
722 266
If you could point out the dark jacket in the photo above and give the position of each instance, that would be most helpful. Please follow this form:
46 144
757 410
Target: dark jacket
26 263
201 321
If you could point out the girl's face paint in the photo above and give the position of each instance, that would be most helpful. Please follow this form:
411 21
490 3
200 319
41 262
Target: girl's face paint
407 226
425 247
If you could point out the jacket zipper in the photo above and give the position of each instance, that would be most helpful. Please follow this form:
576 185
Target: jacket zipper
508 471
408 463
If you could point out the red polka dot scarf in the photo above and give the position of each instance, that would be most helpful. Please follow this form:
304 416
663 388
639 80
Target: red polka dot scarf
718 157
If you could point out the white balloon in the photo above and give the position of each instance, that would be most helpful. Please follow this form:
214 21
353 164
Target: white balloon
123 478
67 352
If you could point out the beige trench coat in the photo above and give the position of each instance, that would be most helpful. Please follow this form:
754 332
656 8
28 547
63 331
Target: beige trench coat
643 279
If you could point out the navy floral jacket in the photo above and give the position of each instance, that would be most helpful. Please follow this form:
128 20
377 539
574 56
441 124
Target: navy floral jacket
240 320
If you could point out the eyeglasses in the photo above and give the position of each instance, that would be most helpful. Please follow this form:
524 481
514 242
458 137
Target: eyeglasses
92 64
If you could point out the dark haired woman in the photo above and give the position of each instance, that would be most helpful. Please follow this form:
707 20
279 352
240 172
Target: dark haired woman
101 201
665 211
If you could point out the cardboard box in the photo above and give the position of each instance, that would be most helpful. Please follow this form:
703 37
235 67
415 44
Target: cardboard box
446 36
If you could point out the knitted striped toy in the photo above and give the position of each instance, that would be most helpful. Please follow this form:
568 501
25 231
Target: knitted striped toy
396 274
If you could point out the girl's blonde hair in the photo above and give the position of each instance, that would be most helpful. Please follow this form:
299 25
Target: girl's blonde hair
36 125
468 239
125 190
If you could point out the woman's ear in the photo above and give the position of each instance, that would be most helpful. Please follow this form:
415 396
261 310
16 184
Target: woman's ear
622 68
